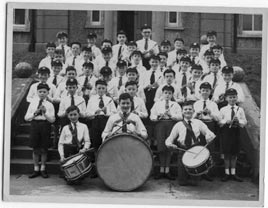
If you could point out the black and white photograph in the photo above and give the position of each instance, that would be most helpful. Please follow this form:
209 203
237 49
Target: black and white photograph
134 104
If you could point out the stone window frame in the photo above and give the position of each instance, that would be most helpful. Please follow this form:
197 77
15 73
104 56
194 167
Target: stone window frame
177 25
247 33
22 27
91 24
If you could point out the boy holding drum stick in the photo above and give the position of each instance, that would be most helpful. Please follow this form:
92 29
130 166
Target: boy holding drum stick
186 135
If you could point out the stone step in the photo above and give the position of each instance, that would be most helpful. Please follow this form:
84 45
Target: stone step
25 166
24 139
25 152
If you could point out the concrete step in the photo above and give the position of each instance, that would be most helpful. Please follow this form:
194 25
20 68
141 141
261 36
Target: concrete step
25 152
25 166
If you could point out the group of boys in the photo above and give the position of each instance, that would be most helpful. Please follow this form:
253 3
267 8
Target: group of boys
182 99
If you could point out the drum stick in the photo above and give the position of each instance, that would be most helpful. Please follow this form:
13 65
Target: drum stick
201 150
178 148
80 103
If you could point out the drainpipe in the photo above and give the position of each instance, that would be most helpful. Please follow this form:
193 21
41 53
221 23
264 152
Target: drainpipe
33 31
235 34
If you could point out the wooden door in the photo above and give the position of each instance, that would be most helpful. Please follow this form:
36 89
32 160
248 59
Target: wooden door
141 18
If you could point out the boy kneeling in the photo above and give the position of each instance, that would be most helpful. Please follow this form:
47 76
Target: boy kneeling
186 134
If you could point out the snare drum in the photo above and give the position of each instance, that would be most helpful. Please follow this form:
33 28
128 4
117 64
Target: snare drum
197 165
124 162
76 167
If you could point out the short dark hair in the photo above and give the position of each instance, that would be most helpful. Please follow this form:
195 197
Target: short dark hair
129 83
51 44
179 39
88 65
163 54
59 51
125 96
197 67
187 103
215 61
43 86
136 52
70 68
145 26
131 43
168 88
106 41
76 43
167 71
155 57
72 108
100 82
121 32
132 70
86 48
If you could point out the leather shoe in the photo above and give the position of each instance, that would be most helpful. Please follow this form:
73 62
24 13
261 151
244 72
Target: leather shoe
159 176
34 174
207 177
236 178
169 176
44 174
226 178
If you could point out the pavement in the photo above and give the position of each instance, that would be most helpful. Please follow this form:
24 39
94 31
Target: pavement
153 189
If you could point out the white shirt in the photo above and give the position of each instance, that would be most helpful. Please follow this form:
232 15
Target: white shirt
210 105
96 51
32 94
91 80
159 108
226 113
195 95
115 49
78 64
139 94
140 68
204 48
46 62
159 92
152 45
172 56
211 77
62 92
115 81
112 90
221 88
67 50
179 132
93 105
179 77
138 128
66 102
205 66
66 136
145 78
50 112
58 78
100 62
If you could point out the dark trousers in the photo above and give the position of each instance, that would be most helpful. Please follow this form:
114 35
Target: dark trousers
145 63
70 150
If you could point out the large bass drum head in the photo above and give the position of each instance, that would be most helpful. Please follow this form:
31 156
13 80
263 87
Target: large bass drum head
124 162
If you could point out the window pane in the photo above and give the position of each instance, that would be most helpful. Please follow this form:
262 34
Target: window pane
172 17
19 16
257 22
95 16
247 22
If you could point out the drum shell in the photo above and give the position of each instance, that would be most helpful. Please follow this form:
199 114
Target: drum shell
124 162
77 169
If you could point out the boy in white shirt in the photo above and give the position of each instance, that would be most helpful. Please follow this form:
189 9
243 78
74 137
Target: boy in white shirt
131 46
163 61
218 54
136 61
62 38
120 48
91 43
76 60
195 81
172 56
194 53
165 113
165 46
47 61
204 62
121 77
176 64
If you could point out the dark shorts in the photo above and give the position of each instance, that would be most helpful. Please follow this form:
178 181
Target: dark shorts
40 134
229 140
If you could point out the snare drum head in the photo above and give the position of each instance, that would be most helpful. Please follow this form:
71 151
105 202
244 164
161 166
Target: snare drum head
124 162
189 159
72 160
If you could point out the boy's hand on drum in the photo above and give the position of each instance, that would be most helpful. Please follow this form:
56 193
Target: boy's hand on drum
82 150
97 112
62 159
172 146
228 121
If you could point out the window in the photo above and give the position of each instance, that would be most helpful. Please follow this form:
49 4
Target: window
173 20
21 21
250 24
94 19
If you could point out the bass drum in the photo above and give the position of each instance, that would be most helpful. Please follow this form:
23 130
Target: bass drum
124 162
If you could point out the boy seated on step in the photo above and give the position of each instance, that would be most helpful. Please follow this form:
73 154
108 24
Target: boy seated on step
41 114
185 134
195 82
74 137
164 113
50 51
121 78
218 54
62 39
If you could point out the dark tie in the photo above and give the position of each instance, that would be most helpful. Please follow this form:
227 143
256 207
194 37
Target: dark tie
74 139
74 61
161 68
183 84
190 136
124 127
107 63
193 60
232 113
215 80
152 79
146 44
51 62
227 86
72 100
39 104
86 81
120 83
204 105
101 103
55 80
62 48
167 105
193 87
119 52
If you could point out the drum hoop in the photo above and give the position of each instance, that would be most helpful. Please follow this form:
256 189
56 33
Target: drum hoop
87 170
200 163
115 136
68 158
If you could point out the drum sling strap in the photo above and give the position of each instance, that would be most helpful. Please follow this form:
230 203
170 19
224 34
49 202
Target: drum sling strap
189 135
74 137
